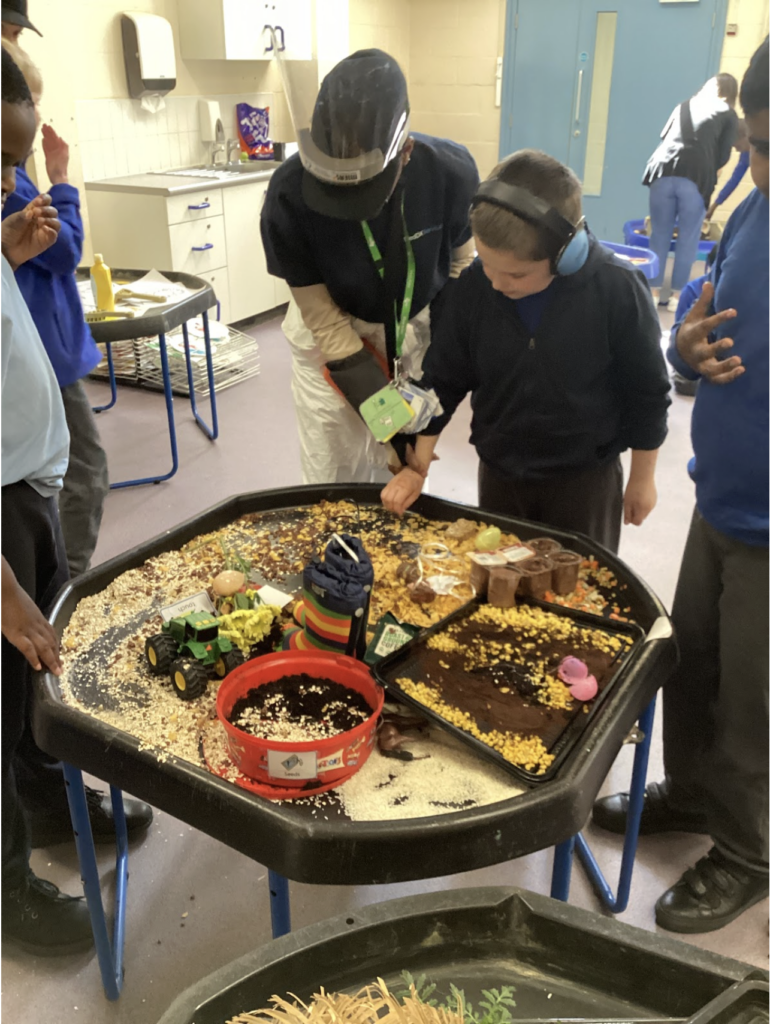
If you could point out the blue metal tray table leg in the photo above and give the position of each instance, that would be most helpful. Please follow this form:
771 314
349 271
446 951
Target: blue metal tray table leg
279 894
111 374
213 431
110 956
562 859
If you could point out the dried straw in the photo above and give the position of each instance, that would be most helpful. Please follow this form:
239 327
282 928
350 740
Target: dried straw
373 1004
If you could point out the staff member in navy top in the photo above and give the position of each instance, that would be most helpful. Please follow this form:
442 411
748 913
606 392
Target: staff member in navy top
715 707
341 223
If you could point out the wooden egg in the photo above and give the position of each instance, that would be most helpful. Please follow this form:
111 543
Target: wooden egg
228 582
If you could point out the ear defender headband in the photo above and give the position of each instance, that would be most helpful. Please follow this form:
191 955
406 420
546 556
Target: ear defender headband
567 243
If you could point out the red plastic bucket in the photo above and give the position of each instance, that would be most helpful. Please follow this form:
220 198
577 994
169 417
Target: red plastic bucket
293 764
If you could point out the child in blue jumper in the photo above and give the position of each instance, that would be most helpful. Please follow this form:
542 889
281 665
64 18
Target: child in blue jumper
715 707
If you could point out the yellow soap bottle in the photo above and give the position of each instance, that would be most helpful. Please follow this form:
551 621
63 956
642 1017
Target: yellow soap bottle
102 285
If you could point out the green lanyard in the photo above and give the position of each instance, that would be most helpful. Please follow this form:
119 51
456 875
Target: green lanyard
401 324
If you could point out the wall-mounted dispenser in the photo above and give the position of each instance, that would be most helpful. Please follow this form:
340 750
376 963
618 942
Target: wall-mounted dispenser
148 47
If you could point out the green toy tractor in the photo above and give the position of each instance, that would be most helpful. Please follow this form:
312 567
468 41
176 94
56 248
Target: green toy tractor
188 648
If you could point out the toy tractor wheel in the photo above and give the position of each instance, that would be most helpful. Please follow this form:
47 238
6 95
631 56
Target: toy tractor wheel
189 678
159 652
228 661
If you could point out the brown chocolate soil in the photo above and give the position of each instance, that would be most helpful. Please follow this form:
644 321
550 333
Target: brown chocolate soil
305 697
479 691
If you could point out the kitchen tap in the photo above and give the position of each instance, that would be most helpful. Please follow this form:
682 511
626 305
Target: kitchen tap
218 146
231 145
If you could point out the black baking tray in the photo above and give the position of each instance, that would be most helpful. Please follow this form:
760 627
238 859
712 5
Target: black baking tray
403 662
563 962
747 1002
287 837
157 321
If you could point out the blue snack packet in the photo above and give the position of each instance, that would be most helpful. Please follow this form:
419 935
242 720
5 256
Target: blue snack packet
253 131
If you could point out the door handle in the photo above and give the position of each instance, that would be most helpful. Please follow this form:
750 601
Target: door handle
202 248
579 95
199 206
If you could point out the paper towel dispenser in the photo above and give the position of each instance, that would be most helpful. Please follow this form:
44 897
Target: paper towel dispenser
148 48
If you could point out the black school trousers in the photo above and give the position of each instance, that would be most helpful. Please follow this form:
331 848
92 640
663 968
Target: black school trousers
589 502
33 546
716 704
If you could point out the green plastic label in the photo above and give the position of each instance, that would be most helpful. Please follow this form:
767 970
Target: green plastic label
386 413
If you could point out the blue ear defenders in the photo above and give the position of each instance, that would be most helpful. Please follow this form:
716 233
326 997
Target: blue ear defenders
566 243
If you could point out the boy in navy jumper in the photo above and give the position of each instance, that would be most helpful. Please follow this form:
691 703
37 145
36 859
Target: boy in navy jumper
559 344
47 282
715 707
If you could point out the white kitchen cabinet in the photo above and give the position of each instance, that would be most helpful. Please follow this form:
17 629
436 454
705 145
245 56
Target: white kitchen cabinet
250 288
235 29
213 234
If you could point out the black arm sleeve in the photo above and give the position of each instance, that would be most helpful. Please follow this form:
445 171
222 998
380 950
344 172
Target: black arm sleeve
448 366
639 369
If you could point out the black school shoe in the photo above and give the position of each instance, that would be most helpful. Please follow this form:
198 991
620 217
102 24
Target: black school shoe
42 920
48 828
611 813
709 896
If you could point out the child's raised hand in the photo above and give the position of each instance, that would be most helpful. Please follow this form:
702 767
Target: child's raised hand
24 626
402 490
693 345
57 154
31 231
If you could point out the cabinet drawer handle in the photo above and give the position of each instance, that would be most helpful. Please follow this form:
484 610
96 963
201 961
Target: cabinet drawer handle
200 206
201 248
281 31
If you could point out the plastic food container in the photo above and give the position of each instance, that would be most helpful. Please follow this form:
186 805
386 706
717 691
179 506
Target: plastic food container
544 546
536 577
502 585
566 571
294 764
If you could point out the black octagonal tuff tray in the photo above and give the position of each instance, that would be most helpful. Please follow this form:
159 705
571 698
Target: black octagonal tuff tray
288 838
408 661
748 1002
563 962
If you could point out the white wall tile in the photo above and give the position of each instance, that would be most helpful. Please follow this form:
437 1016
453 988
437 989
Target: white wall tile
175 151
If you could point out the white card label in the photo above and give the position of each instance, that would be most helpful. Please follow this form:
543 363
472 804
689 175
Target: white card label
392 639
301 764
270 595
517 553
197 603
485 558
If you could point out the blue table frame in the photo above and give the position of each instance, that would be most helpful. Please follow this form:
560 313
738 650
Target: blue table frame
211 432
110 956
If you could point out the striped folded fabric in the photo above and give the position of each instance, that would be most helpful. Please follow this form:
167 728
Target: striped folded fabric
333 614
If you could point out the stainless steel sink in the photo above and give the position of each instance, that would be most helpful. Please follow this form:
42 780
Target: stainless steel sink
224 170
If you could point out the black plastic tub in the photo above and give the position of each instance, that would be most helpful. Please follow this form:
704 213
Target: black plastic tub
562 961
285 837
407 661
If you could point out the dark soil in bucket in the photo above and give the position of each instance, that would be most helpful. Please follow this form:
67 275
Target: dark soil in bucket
299 708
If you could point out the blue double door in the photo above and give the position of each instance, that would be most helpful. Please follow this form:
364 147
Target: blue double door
593 83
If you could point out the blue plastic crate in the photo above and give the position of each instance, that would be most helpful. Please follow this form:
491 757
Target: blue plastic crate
643 259
633 233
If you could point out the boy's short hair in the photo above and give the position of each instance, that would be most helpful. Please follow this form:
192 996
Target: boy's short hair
727 88
14 84
755 95
27 66
547 179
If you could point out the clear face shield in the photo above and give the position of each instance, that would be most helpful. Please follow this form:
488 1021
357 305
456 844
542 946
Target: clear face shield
350 116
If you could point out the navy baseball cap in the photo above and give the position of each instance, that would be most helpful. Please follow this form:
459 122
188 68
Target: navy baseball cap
15 12
359 127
